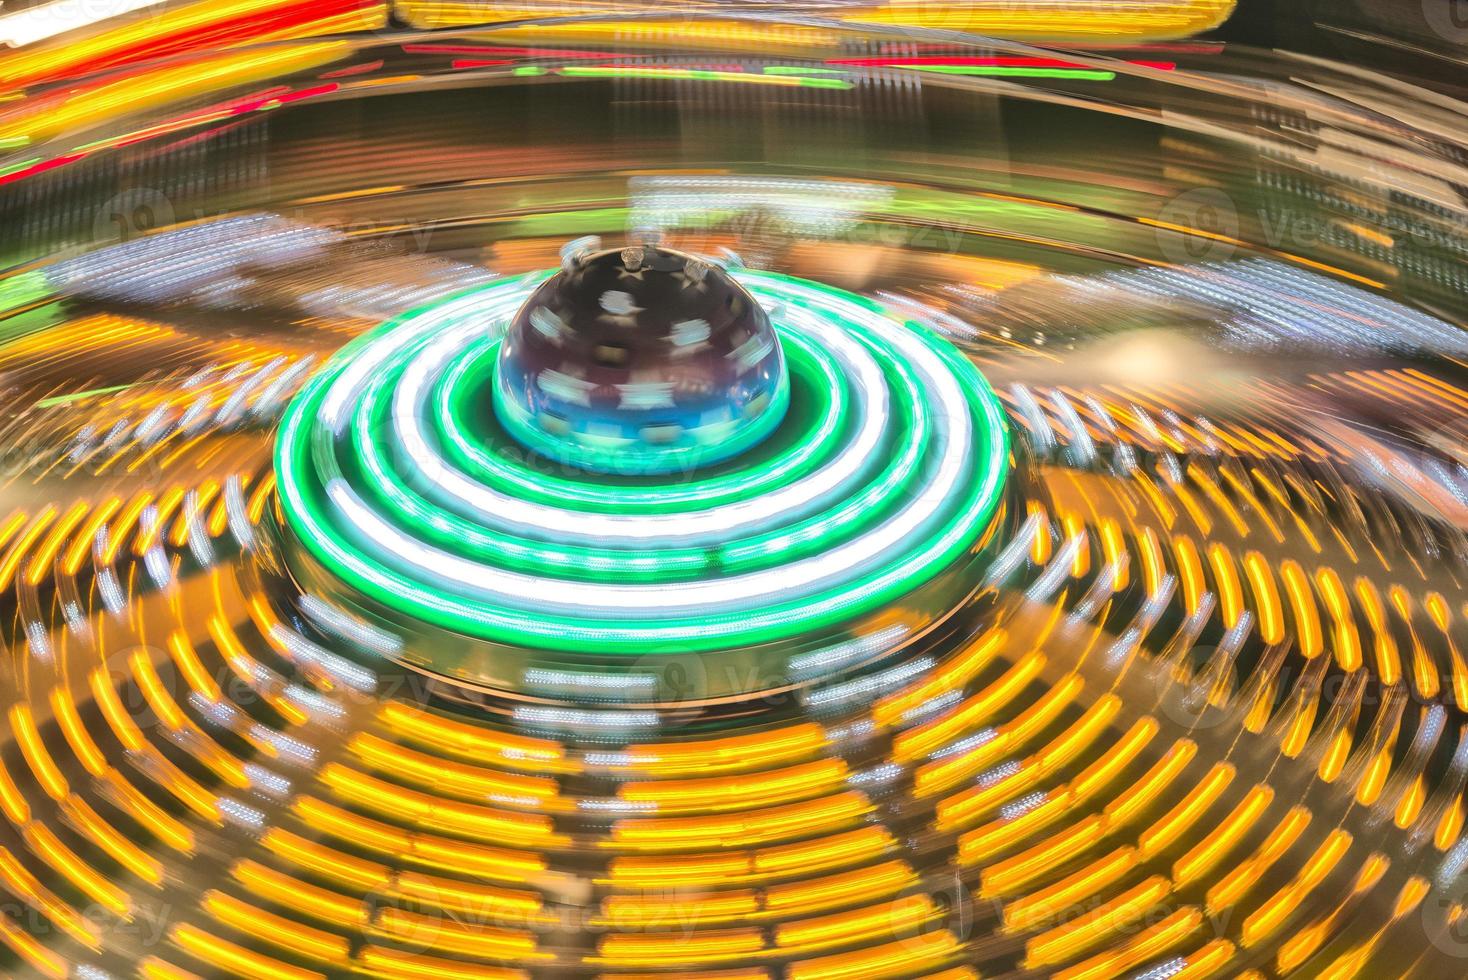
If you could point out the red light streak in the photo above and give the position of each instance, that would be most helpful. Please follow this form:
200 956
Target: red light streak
353 70
466 49
459 63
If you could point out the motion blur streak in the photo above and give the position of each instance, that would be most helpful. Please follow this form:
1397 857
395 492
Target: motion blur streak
734 491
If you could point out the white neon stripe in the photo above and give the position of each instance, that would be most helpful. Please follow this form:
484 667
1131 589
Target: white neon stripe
517 589
346 388
520 622
48 20
690 527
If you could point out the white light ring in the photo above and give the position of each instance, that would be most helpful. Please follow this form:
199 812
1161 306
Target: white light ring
783 505
813 573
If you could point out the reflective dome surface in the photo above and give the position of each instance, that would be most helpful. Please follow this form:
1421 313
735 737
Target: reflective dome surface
641 360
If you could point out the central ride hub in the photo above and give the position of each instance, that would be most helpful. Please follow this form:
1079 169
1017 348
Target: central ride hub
641 361
759 498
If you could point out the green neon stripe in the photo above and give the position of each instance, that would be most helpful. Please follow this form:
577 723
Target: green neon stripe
302 496
801 70
691 74
631 458
77 396
776 622
467 538
1015 71
471 441
24 289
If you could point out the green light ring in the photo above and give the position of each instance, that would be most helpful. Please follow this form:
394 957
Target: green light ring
633 457
303 505
461 322
636 637
787 543
468 450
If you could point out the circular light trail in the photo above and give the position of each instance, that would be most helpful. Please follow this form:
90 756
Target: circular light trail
887 468
458 406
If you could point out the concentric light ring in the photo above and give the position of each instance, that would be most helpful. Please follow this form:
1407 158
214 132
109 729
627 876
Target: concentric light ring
817 367
483 540
705 524
474 564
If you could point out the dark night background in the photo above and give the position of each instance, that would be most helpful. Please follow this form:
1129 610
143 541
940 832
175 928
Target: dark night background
1424 39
